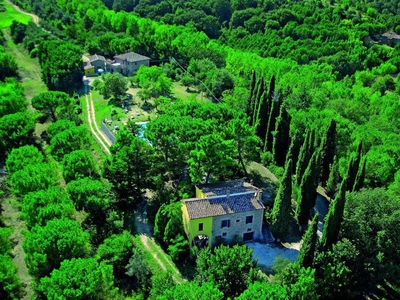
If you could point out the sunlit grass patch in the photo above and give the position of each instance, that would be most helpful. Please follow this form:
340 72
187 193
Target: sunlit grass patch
11 14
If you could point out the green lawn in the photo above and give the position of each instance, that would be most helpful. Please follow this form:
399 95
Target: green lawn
28 68
10 15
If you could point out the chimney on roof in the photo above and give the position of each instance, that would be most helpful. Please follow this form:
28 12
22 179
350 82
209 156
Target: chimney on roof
228 193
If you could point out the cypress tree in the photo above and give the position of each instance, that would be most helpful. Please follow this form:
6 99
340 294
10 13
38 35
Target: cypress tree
334 218
281 139
252 87
294 150
328 150
282 212
359 181
262 117
353 168
252 100
307 251
258 100
308 187
306 152
274 113
331 184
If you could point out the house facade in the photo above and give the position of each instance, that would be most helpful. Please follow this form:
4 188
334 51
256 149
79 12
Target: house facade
128 63
93 63
227 210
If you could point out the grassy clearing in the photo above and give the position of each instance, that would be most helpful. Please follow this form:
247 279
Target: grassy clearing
180 92
28 68
11 14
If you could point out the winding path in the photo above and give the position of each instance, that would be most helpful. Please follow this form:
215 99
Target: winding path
144 231
35 18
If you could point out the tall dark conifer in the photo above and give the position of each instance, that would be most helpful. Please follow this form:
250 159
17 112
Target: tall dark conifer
282 212
258 101
273 115
252 88
307 251
331 184
252 105
334 218
359 181
306 151
281 140
308 189
353 168
328 150
262 116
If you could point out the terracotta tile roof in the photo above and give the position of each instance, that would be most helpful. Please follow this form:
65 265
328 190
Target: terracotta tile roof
132 57
222 188
203 208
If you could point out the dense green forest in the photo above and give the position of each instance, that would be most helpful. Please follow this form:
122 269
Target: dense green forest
308 89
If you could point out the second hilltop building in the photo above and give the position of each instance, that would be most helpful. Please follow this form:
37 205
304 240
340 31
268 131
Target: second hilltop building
228 210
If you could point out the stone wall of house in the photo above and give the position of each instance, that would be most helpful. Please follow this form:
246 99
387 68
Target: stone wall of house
134 66
238 225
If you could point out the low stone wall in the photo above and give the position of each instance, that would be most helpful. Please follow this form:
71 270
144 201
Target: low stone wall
108 132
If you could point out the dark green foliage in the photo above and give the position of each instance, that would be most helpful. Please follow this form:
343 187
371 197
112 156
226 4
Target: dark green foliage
264 110
160 283
48 102
331 184
307 251
274 113
230 269
250 104
370 222
308 193
333 219
33 178
298 282
10 284
263 290
281 215
258 101
168 228
22 156
78 164
15 131
359 181
42 206
46 247
129 166
18 31
354 165
8 65
65 142
192 290
112 86
98 200
61 65
328 147
59 127
306 151
116 251
81 278
281 137
139 270
335 271
12 98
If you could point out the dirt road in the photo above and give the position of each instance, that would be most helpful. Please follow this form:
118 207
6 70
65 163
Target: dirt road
144 230
35 18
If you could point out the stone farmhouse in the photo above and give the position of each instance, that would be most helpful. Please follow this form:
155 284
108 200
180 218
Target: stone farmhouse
126 64
227 210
